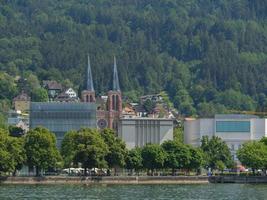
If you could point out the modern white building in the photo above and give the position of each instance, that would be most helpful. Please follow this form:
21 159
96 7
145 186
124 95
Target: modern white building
137 132
233 129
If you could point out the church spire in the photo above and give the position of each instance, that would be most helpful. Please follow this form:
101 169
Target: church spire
89 84
116 85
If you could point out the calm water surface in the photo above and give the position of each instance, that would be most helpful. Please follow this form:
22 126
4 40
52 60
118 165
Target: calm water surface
134 192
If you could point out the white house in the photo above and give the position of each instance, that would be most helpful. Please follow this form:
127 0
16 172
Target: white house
71 93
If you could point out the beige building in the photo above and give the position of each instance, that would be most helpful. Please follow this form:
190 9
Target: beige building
137 132
22 102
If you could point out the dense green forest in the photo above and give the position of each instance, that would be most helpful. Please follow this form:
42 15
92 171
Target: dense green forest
209 56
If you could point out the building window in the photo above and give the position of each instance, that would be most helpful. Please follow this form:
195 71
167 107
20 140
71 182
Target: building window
232 147
233 126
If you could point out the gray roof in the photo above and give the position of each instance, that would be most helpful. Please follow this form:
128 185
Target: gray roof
116 85
89 84
235 116
44 106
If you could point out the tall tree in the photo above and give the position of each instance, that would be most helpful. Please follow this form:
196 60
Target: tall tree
216 150
153 157
177 155
134 159
253 154
12 154
89 149
41 150
116 149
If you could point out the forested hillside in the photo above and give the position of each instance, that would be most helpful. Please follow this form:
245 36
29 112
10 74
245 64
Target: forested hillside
208 55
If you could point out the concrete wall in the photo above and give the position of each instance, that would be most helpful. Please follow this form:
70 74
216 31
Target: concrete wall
192 132
137 132
258 128
194 129
106 180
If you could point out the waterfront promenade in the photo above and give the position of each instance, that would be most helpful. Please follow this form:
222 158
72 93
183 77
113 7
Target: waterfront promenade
106 180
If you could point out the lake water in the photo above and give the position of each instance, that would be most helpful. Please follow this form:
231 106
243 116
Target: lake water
135 192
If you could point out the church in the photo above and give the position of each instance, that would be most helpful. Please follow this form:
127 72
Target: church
109 110
100 112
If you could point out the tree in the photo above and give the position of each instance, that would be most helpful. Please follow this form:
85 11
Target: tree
253 154
116 149
153 157
216 150
177 155
178 134
41 150
39 95
196 158
8 87
134 159
12 154
90 149
149 105
68 146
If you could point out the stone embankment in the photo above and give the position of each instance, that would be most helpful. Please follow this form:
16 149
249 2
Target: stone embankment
106 180
238 179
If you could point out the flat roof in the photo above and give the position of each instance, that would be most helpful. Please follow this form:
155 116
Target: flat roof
147 118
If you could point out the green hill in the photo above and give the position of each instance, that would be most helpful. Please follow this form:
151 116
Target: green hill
209 56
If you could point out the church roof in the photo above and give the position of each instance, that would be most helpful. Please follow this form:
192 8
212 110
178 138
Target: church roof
116 85
22 97
89 84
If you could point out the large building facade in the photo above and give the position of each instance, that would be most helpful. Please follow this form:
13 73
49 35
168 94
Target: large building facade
137 132
61 117
233 129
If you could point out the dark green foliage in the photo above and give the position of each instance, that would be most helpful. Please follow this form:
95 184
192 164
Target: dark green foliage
85 146
178 155
41 151
134 159
149 105
116 148
196 158
178 134
39 95
253 155
12 153
197 51
216 152
153 156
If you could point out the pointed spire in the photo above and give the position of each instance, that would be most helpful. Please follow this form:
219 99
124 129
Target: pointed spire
116 85
89 84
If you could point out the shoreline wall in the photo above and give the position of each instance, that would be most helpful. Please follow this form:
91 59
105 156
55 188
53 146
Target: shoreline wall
111 180
238 179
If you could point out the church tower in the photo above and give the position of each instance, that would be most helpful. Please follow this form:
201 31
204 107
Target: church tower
114 100
88 95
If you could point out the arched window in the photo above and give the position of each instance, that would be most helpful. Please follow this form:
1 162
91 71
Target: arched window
91 98
113 102
117 102
87 98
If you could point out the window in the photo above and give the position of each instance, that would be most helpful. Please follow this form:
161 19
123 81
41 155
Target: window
233 126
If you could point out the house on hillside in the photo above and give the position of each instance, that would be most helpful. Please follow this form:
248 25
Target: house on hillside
68 95
22 102
53 88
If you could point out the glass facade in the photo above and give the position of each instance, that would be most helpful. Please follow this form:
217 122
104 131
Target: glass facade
60 118
233 126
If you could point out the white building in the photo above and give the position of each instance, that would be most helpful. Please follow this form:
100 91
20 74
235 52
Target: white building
233 129
137 132
71 93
